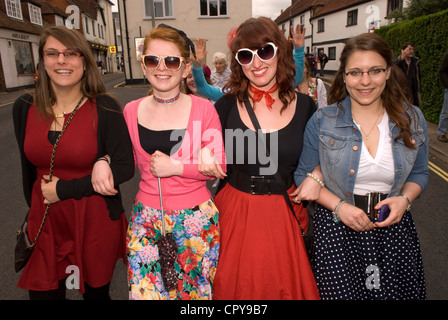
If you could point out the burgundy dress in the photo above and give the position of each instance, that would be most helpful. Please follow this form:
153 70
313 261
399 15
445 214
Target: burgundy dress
77 233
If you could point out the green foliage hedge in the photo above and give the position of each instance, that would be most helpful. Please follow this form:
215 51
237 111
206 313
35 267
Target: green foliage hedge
429 34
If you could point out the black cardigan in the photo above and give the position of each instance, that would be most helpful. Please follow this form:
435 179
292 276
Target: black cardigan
113 139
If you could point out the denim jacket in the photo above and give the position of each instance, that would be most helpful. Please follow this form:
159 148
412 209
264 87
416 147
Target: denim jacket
333 141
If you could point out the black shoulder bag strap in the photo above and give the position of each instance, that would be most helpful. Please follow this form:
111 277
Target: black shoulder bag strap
260 136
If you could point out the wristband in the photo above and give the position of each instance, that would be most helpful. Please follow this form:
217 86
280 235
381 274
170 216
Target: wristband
103 159
407 199
336 211
317 179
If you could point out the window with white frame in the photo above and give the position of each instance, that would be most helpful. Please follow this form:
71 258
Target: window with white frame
14 9
35 14
86 24
162 8
213 8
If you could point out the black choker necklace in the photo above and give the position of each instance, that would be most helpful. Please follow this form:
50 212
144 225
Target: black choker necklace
166 100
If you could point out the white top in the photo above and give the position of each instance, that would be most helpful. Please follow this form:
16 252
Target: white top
376 174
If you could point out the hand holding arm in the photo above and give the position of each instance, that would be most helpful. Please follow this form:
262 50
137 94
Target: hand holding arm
208 165
49 189
309 189
102 178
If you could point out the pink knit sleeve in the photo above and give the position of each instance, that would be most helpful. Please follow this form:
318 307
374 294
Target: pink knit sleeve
207 121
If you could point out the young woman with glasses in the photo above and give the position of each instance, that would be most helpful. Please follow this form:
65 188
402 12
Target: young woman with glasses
372 147
168 130
83 231
262 253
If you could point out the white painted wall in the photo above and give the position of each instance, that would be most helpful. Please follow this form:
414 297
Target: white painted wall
186 18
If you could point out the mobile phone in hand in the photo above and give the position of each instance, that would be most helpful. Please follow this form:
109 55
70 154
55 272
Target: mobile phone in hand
383 213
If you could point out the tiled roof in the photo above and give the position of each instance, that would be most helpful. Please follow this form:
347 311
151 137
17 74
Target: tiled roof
319 7
24 25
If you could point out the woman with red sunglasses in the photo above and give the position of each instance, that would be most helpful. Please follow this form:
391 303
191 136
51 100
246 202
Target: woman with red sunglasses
262 254
168 130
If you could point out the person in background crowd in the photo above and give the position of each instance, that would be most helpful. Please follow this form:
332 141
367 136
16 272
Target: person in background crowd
190 86
262 254
83 228
314 87
372 146
409 64
221 74
443 119
323 59
312 62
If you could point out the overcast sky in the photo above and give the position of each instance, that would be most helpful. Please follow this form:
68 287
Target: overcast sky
266 8
269 8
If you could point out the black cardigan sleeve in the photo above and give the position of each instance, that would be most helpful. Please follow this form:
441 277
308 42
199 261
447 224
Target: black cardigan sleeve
19 116
113 140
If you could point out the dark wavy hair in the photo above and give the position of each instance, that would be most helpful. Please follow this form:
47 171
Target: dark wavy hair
254 33
394 96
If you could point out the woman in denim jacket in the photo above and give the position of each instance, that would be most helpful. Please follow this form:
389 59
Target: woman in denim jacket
372 147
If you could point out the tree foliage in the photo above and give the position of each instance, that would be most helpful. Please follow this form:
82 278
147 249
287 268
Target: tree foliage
418 8
429 34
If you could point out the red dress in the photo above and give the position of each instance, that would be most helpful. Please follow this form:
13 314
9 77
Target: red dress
77 233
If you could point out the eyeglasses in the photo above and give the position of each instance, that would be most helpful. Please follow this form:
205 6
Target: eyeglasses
151 62
68 54
373 73
246 56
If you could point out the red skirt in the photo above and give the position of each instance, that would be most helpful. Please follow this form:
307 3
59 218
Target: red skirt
78 234
262 254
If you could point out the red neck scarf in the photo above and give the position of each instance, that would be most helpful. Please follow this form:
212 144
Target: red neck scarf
258 94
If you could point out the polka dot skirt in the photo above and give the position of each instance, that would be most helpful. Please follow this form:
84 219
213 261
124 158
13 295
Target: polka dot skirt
382 264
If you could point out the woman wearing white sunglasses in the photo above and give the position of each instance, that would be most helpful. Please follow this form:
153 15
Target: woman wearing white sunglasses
262 254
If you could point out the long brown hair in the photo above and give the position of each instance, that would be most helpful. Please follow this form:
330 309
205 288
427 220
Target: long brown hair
91 83
253 34
394 95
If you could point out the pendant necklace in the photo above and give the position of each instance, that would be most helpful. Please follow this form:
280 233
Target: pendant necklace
62 115
171 100
368 135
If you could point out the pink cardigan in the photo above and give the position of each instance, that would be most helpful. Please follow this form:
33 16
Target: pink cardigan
189 189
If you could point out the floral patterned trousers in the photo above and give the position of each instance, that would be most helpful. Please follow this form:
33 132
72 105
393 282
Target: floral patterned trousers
197 236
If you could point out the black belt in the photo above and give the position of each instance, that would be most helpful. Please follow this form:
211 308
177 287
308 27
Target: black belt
369 201
259 185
